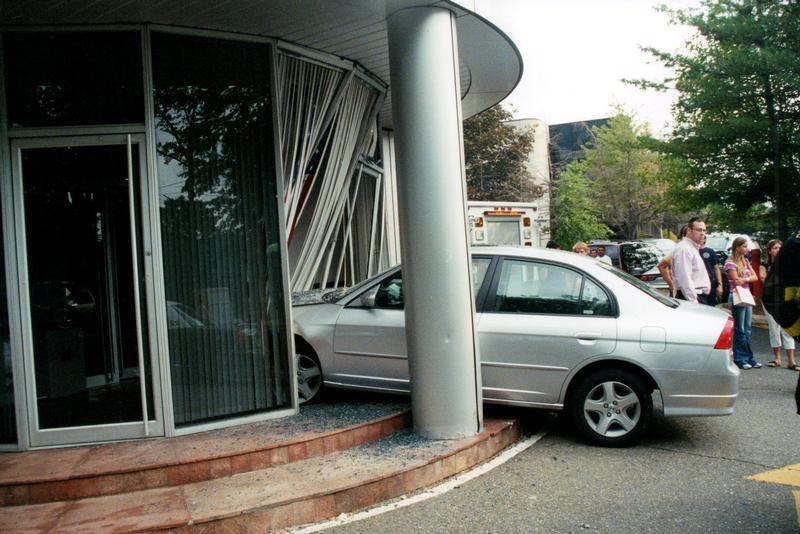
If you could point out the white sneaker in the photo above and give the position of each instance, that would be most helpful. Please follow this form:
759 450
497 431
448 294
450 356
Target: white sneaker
747 366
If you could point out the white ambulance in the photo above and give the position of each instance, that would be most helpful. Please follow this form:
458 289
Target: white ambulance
503 224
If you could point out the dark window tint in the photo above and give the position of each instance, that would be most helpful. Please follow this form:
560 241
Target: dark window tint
8 422
594 301
529 287
390 294
70 78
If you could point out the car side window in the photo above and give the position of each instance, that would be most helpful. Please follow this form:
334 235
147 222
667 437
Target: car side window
594 300
390 293
532 287
479 268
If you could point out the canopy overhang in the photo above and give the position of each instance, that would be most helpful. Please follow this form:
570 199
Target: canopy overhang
353 30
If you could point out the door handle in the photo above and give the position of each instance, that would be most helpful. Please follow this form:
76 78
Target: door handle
588 336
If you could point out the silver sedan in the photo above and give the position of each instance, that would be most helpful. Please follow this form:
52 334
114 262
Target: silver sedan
557 331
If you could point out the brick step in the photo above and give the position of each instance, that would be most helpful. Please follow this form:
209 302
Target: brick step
277 497
44 476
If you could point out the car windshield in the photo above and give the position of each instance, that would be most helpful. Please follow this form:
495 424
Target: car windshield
716 242
353 290
640 257
663 299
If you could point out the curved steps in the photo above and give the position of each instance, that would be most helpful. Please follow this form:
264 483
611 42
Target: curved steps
276 497
42 476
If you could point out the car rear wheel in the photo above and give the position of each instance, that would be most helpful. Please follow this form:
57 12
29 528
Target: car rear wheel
309 378
611 408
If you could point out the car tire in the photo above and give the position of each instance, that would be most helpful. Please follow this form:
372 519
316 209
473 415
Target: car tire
310 387
611 408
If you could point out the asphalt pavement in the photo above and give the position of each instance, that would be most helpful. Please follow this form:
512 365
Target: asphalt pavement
688 475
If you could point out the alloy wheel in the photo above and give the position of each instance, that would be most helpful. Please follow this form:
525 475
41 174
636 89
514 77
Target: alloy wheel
612 409
309 377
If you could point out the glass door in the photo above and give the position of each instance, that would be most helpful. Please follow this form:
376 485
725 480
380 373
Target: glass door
80 211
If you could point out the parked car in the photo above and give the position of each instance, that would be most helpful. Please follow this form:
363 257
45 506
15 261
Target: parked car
636 258
664 245
557 331
721 243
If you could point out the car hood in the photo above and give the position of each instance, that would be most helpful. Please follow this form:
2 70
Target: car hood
316 296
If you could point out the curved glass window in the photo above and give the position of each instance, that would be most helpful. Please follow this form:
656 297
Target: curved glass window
73 78
219 227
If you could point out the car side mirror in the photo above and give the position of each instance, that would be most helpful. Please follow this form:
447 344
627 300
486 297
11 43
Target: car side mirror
368 297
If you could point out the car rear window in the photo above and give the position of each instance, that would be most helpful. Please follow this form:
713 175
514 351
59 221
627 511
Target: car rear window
663 299
639 257
716 242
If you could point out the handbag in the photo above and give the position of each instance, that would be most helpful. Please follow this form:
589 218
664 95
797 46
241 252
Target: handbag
743 297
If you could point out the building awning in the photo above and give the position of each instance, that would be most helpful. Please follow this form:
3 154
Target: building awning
355 30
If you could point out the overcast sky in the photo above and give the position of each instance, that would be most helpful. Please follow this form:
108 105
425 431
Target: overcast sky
575 53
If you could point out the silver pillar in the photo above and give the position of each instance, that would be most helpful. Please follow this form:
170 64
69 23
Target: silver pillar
439 307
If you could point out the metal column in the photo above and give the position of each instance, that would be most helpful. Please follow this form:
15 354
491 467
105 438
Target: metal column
439 307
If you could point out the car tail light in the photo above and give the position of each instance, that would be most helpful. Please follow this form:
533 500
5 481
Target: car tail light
647 278
725 340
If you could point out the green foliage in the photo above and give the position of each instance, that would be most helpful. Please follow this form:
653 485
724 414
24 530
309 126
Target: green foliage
738 111
625 176
575 215
495 158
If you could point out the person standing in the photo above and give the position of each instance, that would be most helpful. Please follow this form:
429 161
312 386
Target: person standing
741 275
581 248
665 265
689 275
601 255
778 337
714 273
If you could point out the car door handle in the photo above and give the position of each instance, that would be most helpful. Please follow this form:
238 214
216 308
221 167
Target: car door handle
588 336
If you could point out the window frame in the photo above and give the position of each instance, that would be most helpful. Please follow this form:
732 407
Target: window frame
490 297
354 301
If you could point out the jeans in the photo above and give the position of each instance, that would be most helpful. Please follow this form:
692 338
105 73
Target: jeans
742 320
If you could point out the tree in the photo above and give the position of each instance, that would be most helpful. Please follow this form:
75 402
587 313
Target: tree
738 110
575 214
495 157
625 176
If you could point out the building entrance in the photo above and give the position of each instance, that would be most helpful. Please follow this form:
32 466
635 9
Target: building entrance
81 203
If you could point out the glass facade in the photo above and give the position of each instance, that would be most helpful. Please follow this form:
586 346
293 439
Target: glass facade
80 275
219 228
8 420
85 203
74 78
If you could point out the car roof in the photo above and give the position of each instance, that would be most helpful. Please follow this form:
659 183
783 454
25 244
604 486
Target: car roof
566 256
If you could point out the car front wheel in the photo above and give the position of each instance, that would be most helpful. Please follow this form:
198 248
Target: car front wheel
309 378
611 408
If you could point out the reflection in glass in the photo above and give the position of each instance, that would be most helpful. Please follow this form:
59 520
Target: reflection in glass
80 271
8 421
72 78
219 228
529 287
639 257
